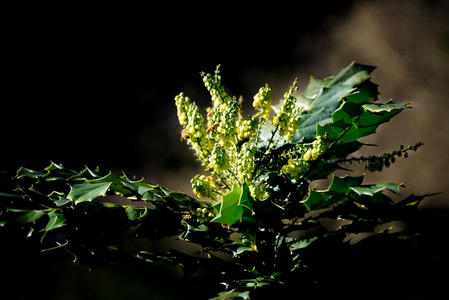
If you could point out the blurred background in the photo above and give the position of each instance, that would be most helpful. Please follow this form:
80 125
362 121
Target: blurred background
95 85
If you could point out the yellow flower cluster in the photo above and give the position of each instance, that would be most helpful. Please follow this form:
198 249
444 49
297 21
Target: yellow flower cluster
221 117
300 165
248 128
227 146
295 166
258 191
320 145
245 163
219 159
262 101
203 186
216 90
202 215
182 103
227 125
288 116
196 133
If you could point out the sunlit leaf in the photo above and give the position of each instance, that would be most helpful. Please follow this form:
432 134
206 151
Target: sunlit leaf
342 185
230 210
296 244
375 188
323 97
62 201
28 173
88 191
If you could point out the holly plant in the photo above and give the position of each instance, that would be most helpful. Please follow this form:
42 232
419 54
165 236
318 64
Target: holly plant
257 223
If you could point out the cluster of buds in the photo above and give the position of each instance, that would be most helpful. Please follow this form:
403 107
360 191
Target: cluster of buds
259 191
298 165
203 186
195 127
221 117
182 103
219 159
262 101
320 145
247 128
288 117
202 215
245 163
216 90
227 126
196 133
295 166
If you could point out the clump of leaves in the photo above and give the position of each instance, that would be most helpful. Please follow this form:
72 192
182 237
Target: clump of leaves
258 219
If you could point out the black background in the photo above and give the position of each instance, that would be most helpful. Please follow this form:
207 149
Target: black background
81 84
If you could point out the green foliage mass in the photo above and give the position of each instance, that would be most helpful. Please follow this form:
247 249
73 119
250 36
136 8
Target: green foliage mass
258 219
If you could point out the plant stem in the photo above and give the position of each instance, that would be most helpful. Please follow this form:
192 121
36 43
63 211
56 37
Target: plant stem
266 152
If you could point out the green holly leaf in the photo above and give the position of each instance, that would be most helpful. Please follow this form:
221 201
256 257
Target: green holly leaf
29 216
386 107
232 294
370 190
337 192
231 208
56 220
342 185
118 185
28 173
88 191
323 98
296 244
353 121
315 199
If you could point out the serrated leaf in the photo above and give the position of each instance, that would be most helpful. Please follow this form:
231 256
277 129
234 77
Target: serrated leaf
370 190
232 294
388 107
315 199
337 192
300 243
111 177
30 217
348 126
245 198
314 87
139 186
56 220
230 210
118 184
28 173
327 100
62 201
58 172
342 185
376 114
88 191
352 70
